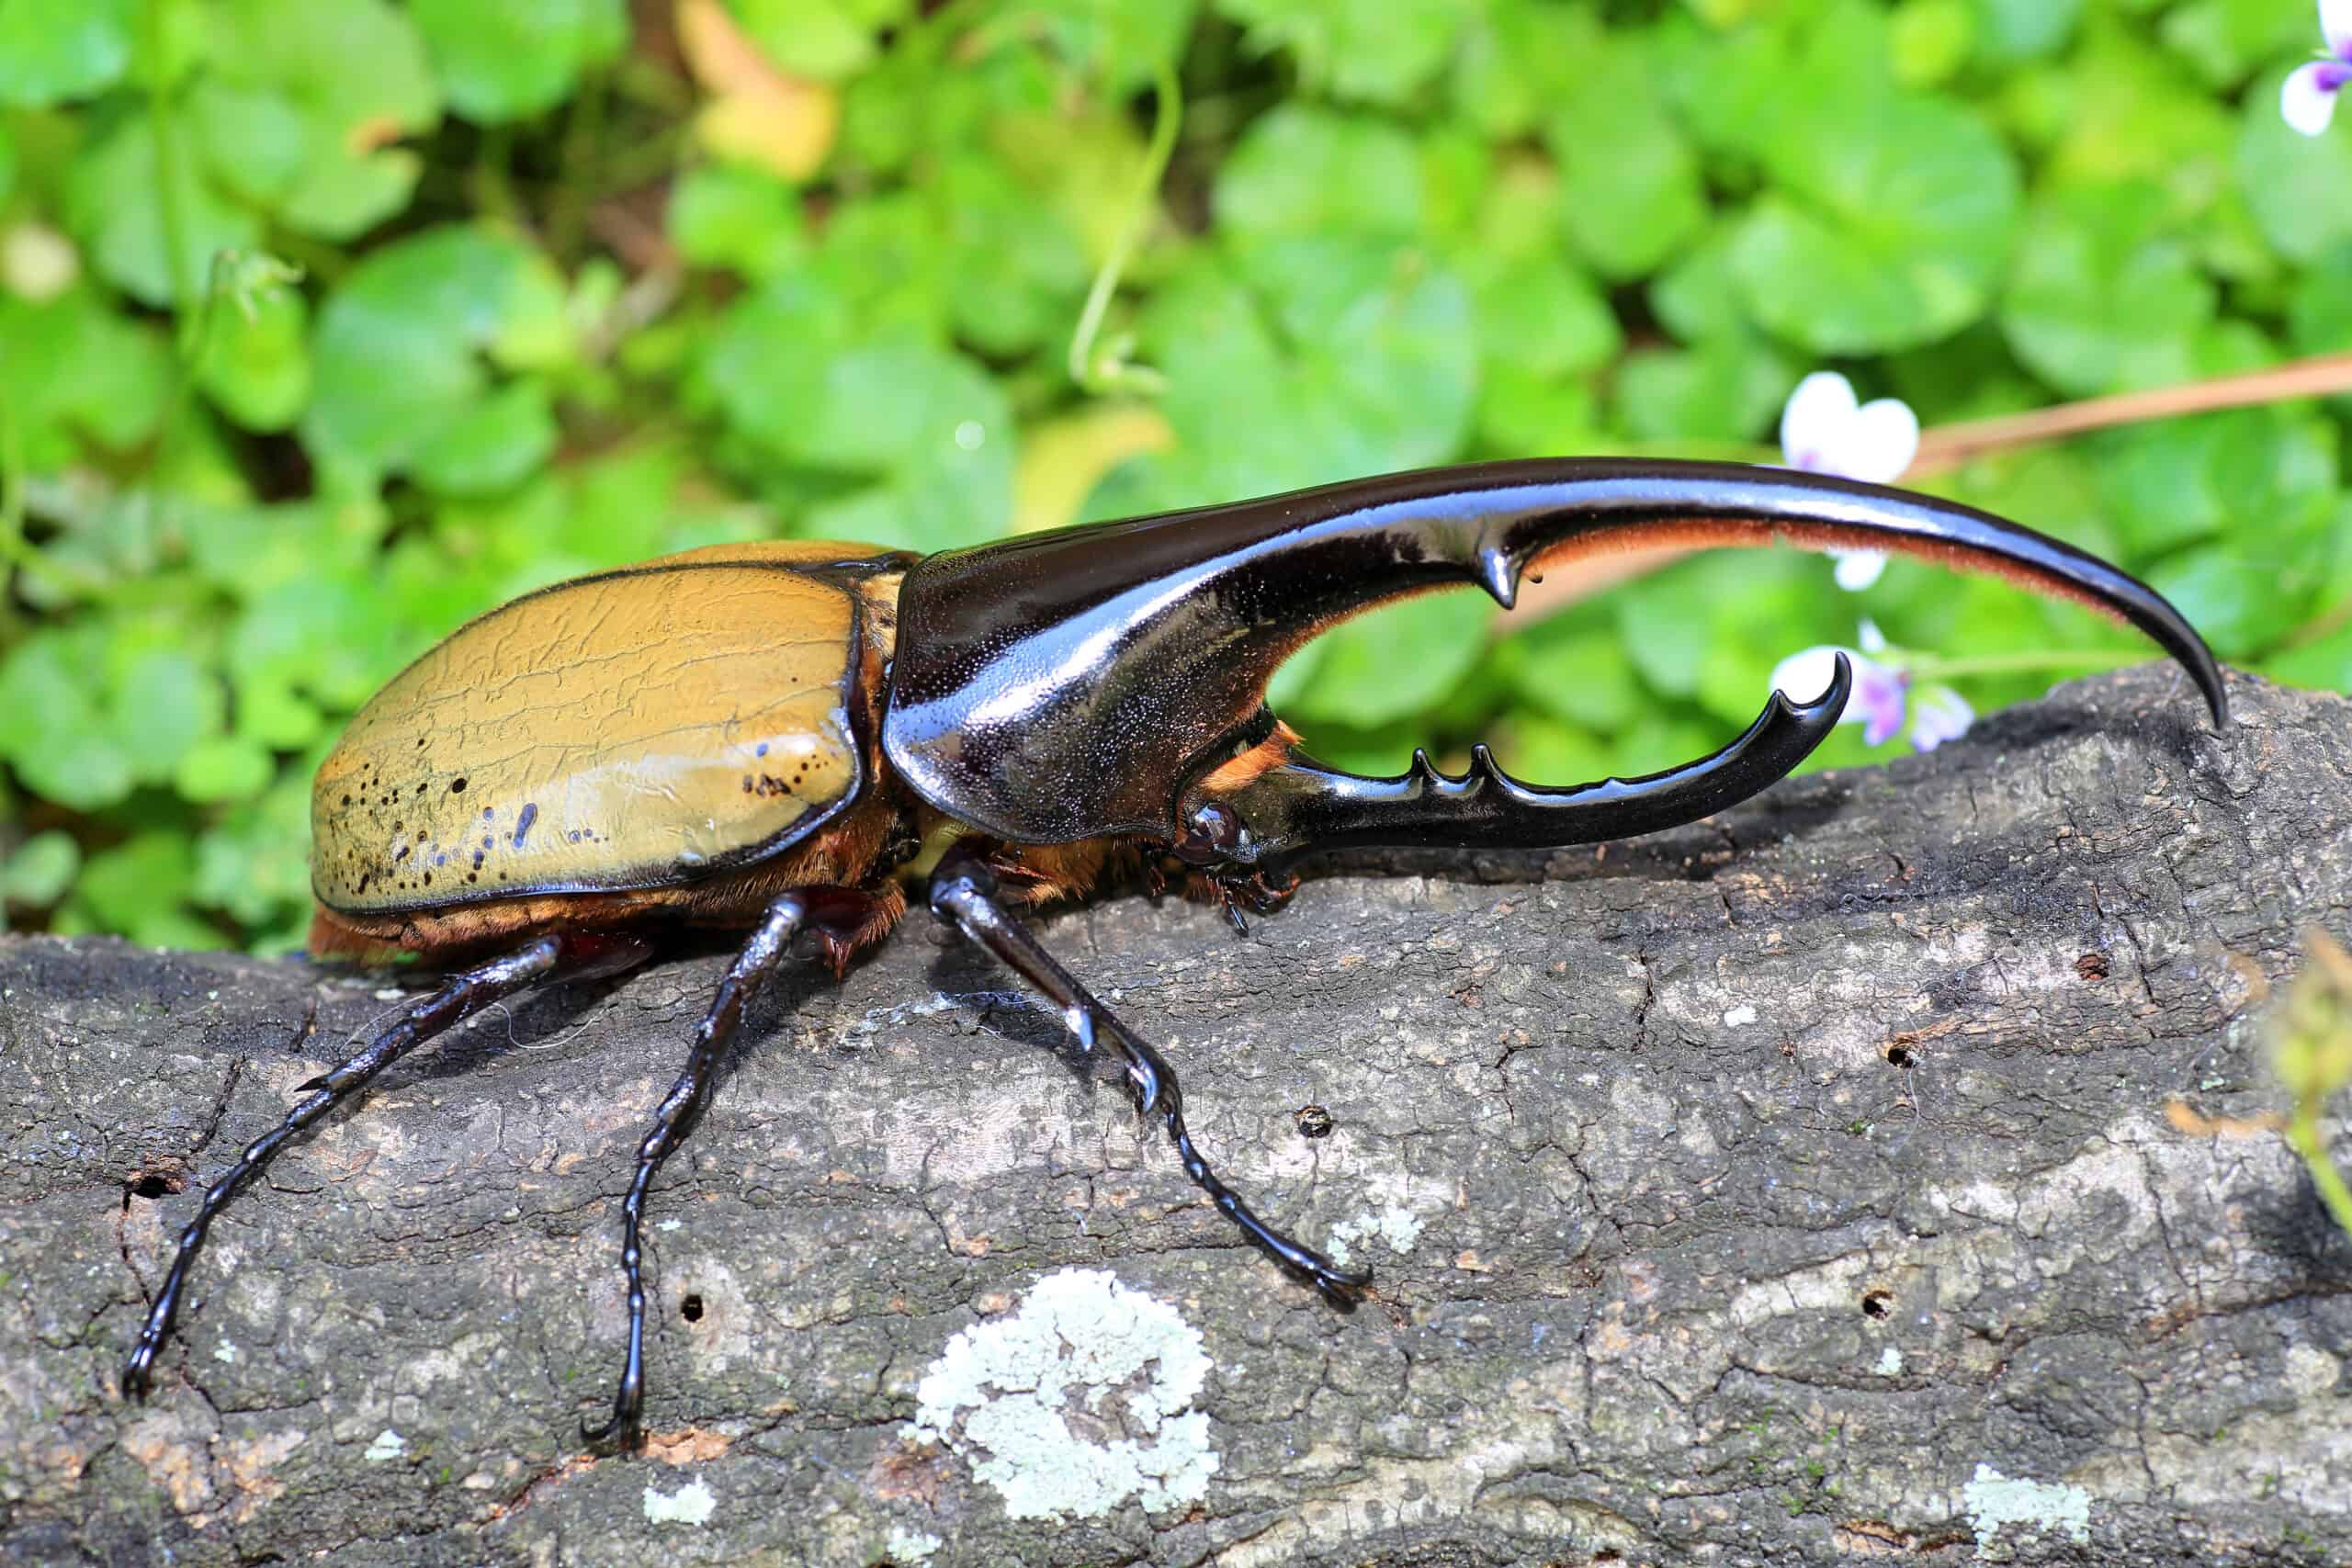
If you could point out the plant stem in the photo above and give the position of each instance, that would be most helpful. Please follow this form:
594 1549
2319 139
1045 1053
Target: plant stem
1947 446
1932 667
2304 1136
1116 376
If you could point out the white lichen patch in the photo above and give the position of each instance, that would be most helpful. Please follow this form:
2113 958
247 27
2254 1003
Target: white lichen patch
1395 1225
1889 1362
225 1351
1076 1402
909 1546
1993 1500
692 1503
1734 1017
389 1446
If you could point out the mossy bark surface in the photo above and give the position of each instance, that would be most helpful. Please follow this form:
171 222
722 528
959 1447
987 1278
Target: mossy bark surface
1875 1171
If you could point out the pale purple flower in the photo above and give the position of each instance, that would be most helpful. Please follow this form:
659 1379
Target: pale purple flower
1940 715
2307 98
1881 692
1825 430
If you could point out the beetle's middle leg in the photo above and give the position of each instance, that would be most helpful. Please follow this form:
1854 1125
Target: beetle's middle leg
769 942
964 893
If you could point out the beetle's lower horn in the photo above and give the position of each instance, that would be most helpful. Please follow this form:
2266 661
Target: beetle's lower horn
1301 807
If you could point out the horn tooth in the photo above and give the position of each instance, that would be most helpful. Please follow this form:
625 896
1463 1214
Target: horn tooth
1496 575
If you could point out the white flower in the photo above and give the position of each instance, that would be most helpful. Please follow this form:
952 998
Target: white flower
1824 430
2307 98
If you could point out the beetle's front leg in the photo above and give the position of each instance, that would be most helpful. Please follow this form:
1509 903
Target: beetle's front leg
963 893
766 947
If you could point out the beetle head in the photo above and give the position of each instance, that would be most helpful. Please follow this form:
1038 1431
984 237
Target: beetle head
1110 681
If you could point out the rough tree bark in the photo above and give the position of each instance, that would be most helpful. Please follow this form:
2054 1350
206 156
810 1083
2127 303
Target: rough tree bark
1823 1182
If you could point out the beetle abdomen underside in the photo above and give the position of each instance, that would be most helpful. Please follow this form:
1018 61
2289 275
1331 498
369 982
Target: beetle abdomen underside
637 729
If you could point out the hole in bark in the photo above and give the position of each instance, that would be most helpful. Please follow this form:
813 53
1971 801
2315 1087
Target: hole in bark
1313 1122
2091 967
1878 1303
1899 1055
153 1188
691 1309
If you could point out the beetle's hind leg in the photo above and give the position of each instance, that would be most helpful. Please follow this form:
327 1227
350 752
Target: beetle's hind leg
460 997
769 942
963 892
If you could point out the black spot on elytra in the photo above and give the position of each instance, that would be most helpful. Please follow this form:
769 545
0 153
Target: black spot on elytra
346 800
487 812
399 855
761 750
477 860
574 835
522 823
456 786
420 789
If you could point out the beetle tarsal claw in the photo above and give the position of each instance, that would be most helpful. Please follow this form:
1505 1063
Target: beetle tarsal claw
1302 806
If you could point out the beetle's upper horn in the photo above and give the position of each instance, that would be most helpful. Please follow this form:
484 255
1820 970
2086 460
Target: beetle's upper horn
1081 683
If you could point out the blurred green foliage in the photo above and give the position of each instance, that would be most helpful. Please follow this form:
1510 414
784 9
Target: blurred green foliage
327 324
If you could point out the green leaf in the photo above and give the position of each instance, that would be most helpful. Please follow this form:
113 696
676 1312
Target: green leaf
1630 191
2295 183
115 202
734 215
822 41
2101 301
2320 314
1931 41
1728 388
1573 668
2133 111
1122 41
1890 228
1015 273
2009 31
1543 316
54 50
254 140
1316 171
1377 51
516 58
399 352
2242 601
2200 478
1396 661
40 871
162 703
222 768
509 433
140 888
257 367
1518 59
1270 396
353 73
1526 413
80 372
2228 39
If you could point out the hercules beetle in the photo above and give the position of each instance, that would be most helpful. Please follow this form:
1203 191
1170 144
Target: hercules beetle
778 735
